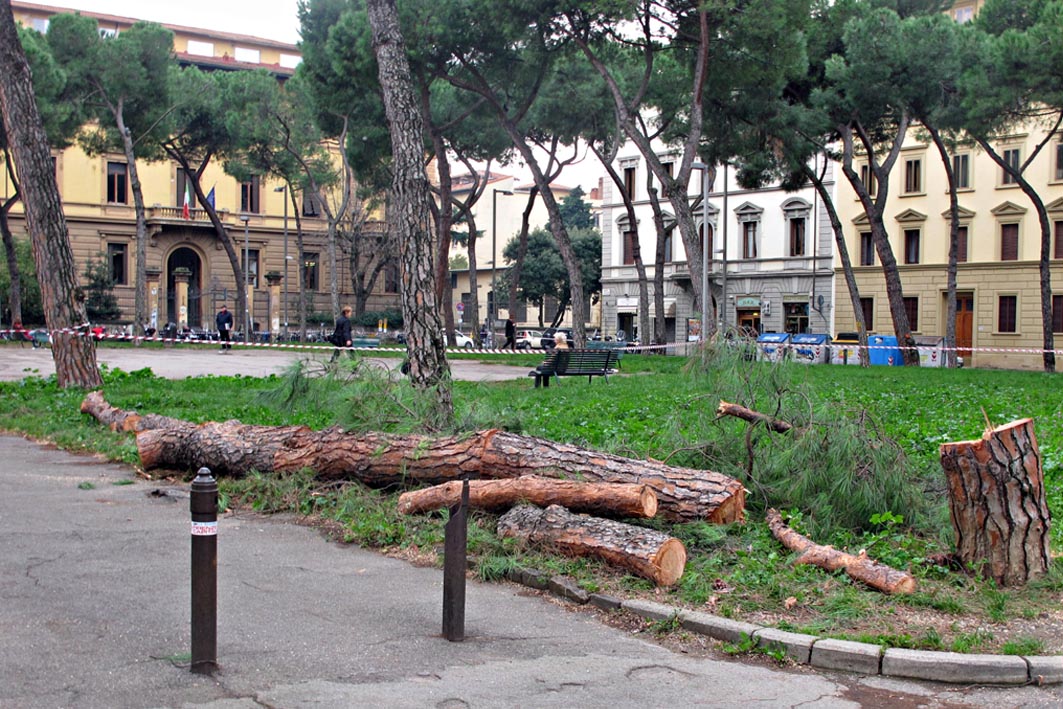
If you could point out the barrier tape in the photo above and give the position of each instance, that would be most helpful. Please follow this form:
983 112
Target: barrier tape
632 349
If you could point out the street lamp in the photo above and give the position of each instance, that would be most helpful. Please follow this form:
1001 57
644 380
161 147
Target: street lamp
705 246
245 218
284 189
493 308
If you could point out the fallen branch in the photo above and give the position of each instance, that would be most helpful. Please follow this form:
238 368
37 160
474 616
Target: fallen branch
609 499
858 567
728 409
651 554
381 460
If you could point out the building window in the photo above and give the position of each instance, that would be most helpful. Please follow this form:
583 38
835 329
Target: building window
1009 242
39 24
310 270
1057 313
251 267
668 171
963 15
1057 247
311 208
961 244
184 186
749 240
117 179
246 54
1012 158
911 308
200 49
629 247
391 279
867 249
911 246
797 237
290 61
913 176
1007 308
250 195
629 182
668 246
867 179
868 306
1058 172
117 259
795 318
961 171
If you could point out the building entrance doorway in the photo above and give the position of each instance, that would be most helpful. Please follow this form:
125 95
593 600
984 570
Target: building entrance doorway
185 257
749 321
964 325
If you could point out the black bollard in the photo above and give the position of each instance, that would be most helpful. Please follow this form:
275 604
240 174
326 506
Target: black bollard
203 502
454 565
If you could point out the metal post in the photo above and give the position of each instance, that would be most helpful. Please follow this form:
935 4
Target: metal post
247 279
203 502
455 537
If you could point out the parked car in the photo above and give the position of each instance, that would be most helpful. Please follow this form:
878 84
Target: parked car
529 339
549 333
463 340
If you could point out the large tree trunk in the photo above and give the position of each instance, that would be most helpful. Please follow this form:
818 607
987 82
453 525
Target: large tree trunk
62 297
609 499
997 503
858 567
411 212
232 448
651 554
14 299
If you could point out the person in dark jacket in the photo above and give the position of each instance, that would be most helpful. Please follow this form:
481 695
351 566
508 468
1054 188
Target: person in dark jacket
511 335
224 321
341 336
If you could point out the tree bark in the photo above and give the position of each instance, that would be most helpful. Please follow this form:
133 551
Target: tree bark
379 460
62 297
609 499
858 567
651 554
14 300
411 216
997 503
728 409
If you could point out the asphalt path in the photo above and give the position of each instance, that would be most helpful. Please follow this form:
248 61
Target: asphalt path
185 360
95 607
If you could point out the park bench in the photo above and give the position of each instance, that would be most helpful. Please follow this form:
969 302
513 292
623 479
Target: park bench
575 363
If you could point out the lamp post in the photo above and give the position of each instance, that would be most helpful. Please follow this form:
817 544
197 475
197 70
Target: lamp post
284 189
492 309
245 218
705 246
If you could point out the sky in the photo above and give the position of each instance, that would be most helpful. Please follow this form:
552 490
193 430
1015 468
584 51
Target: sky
268 19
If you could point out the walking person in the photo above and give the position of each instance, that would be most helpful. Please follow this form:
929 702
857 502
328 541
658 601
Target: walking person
511 335
224 323
341 336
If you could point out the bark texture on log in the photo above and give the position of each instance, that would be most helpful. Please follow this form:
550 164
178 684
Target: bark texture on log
997 503
609 499
858 567
651 554
728 409
120 419
233 448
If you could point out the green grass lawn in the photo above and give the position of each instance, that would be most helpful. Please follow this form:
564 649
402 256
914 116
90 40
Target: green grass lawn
866 476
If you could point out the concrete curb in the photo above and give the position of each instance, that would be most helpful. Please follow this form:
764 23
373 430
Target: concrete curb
824 653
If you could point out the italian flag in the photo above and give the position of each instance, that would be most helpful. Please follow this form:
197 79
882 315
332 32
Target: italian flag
186 208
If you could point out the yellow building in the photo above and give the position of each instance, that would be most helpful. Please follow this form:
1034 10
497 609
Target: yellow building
998 284
98 204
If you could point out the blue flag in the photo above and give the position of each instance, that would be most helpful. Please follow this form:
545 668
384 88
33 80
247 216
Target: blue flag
210 198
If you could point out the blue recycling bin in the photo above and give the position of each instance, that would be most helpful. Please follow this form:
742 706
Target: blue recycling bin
771 346
884 351
809 348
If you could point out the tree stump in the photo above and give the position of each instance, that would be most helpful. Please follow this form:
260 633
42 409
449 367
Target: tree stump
651 554
997 503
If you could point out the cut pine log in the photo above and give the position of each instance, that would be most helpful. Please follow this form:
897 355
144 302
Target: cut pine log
728 409
381 460
859 567
120 419
997 503
608 499
651 554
